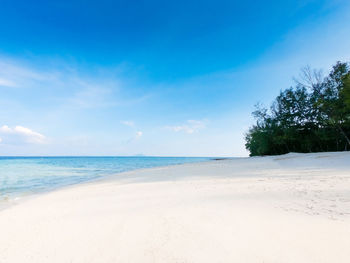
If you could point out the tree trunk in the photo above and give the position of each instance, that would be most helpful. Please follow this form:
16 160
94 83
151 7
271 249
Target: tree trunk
345 136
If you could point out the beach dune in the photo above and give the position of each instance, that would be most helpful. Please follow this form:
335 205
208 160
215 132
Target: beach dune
289 208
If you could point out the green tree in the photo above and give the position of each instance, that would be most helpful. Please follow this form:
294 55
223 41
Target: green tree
313 116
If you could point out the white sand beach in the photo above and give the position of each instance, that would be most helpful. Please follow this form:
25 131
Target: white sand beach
290 208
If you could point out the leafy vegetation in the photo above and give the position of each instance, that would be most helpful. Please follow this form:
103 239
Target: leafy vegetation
313 116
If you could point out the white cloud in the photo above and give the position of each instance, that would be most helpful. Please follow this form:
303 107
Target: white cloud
71 88
91 97
5 129
16 74
20 134
7 83
128 123
139 134
191 126
134 138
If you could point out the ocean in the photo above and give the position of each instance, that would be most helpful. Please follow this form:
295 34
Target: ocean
22 176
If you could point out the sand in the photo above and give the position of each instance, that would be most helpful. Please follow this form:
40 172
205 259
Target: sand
290 208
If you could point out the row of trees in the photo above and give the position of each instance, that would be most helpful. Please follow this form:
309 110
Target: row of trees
313 116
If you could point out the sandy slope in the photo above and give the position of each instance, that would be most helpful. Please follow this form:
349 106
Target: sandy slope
291 208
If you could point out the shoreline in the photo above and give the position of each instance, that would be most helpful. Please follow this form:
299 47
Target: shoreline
288 208
7 202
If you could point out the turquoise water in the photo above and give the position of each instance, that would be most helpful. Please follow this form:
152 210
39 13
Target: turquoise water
26 175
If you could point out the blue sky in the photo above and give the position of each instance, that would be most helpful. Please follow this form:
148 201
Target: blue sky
161 78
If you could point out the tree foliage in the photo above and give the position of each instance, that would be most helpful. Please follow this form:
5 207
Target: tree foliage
313 116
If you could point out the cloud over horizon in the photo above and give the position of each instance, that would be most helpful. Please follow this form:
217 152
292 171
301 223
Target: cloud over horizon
191 126
20 135
128 123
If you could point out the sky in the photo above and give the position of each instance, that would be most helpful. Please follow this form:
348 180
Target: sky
162 78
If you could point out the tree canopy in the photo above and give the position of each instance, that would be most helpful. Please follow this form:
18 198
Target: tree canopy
313 116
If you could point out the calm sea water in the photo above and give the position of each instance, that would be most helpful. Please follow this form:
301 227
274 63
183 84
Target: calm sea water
26 175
